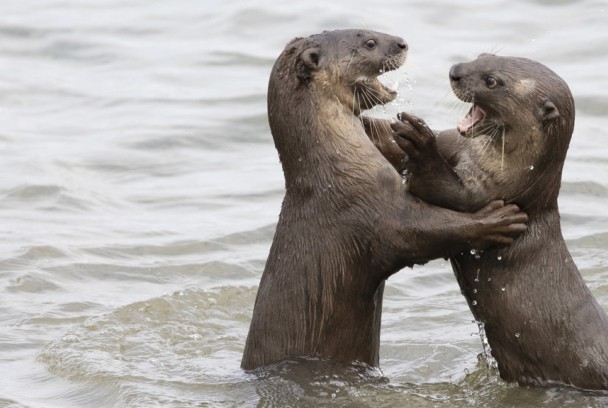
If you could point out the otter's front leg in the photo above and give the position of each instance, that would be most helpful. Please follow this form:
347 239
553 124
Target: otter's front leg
414 232
431 177
380 133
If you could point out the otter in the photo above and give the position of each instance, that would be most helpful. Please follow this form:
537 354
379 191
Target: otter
347 222
542 323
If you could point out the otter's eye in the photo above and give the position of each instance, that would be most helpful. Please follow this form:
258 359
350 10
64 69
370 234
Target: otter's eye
491 82
370 44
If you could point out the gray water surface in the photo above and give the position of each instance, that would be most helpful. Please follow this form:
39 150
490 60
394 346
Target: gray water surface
140 189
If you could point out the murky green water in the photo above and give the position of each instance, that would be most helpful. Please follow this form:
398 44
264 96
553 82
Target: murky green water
140 189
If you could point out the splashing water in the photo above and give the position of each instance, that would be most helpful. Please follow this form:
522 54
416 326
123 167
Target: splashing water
404 100
487 350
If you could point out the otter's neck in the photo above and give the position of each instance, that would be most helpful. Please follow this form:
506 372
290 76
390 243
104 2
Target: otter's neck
519 170
321 142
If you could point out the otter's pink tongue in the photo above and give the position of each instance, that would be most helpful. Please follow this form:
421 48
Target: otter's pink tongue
474 116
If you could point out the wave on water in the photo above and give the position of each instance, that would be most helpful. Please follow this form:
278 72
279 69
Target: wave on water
184 339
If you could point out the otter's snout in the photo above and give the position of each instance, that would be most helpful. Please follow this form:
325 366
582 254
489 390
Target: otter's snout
456 72
397 46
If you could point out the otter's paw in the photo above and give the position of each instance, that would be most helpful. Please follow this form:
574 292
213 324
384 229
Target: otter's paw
418 141
500 224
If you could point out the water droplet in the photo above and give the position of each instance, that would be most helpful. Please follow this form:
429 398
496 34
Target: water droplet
516 334
499 257
299 159
531 167
489 279
503 289
474 290
474 303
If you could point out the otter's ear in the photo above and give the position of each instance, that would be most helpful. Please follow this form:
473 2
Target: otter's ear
311 57
549 112
309 61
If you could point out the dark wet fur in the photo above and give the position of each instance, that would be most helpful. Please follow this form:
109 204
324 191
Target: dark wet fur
543 324
347 222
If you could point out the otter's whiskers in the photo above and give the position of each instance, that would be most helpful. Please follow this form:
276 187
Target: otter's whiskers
502 157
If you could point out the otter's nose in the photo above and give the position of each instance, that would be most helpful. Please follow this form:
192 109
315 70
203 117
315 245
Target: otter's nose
455 73
402 44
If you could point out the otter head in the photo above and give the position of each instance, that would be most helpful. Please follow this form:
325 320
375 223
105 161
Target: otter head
345 64
317 86
525 112
514 97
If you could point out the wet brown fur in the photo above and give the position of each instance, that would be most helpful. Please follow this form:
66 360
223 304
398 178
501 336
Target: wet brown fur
347 222
543 324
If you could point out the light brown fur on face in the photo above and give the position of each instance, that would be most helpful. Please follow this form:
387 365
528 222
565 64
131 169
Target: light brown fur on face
347 222
543 324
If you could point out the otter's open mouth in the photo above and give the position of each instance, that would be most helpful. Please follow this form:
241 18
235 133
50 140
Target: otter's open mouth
465 125
370 92
391 90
